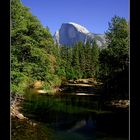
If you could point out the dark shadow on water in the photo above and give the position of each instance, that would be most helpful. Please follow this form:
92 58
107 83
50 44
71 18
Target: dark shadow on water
79 117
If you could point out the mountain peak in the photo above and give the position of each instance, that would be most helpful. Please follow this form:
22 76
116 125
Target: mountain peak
71 33
79 27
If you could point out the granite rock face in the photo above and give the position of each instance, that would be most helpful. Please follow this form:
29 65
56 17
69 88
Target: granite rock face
71 33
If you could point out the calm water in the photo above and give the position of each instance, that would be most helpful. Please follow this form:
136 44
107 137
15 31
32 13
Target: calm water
83 117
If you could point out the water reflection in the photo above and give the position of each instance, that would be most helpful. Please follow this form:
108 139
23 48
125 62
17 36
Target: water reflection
84 125
81 116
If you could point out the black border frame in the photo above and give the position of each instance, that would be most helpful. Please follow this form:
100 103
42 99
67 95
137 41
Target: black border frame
134 69
5 70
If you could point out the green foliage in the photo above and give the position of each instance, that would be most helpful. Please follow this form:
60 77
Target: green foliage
94 60
80 61
118 40
114 60
34 56
32 50
117 32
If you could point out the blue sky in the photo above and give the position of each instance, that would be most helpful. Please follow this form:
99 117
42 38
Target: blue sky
92 14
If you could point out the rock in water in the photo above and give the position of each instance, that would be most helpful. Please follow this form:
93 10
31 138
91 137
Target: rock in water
71 33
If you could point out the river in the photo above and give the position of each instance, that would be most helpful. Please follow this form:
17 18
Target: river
79 113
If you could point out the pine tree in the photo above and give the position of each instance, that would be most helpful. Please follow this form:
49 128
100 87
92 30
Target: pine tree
94 59
88 60
114 59
117 40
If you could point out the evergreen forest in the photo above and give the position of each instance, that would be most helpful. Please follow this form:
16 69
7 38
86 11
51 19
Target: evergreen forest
38 62
35 56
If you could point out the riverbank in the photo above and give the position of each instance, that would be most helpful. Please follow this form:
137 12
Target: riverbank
48 114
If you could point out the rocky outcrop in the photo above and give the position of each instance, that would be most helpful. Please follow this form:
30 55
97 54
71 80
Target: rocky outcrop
119 103
71 33
15 106
85 81
16 100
